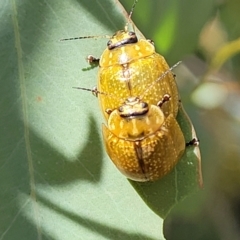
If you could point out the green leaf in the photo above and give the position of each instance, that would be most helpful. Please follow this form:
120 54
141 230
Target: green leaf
56 181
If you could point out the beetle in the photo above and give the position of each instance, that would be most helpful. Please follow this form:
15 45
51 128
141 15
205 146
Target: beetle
139 99
143 143
130 65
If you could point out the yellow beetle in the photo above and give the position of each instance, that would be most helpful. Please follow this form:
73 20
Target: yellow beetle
143 143
130 66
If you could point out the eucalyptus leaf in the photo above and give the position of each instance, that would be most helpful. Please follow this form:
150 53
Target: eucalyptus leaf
56 181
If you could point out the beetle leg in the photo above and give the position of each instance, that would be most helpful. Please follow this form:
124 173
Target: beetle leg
108 111
193 142
165 98
92 60
151 41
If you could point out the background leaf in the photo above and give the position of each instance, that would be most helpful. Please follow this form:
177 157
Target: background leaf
173 25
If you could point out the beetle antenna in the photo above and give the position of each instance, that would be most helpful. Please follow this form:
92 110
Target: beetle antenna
86 37
130 15
160 78
133 6
95 92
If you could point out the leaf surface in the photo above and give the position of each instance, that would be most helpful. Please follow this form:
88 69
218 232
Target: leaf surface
56 181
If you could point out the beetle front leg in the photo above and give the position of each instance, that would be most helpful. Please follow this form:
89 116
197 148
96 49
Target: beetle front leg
165 98
92 60
108 111
193 142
